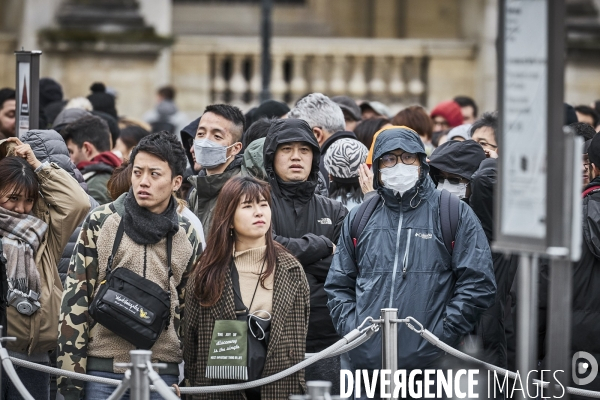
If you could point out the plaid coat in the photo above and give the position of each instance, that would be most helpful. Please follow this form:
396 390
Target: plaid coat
287 345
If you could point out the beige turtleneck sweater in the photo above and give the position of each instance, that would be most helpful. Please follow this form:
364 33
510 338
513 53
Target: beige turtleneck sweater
248 264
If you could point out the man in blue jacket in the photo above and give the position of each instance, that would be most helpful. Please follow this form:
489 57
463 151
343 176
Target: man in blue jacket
400 261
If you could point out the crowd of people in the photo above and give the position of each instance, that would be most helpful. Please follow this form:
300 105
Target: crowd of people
281 229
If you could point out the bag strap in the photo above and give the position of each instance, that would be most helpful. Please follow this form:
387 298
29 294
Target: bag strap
365 210
589 191
449 216
117 242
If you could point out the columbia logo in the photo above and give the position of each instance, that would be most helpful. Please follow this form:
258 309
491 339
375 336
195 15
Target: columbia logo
424 235
324 221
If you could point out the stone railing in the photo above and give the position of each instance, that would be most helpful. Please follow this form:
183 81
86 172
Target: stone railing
227 69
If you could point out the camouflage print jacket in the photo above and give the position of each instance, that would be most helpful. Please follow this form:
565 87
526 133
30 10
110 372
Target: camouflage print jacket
78 339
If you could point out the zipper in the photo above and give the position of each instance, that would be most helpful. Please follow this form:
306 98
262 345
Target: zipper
405 259
396 257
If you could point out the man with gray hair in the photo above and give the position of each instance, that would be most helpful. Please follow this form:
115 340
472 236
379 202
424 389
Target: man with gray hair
326 119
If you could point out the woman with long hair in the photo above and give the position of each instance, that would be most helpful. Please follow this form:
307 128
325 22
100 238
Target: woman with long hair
342 161
40 206
246 277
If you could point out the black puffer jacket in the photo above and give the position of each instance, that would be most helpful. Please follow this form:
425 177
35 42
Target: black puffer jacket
585 329
307 224
48 145
490 328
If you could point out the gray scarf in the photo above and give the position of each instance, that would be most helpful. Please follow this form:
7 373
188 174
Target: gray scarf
145 227
21 238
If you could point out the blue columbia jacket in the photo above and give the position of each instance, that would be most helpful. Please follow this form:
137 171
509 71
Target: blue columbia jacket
401 262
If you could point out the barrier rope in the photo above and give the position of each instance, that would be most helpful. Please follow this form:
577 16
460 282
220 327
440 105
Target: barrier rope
350 341
434 340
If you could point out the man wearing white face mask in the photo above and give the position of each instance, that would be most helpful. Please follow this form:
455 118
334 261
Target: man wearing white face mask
400 260
453 164
216 148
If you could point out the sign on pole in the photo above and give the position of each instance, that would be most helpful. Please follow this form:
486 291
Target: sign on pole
27 91
523 111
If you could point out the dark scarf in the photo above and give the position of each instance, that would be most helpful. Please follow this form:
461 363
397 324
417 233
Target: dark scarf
145 227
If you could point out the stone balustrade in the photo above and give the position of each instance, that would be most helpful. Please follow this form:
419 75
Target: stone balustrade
227 69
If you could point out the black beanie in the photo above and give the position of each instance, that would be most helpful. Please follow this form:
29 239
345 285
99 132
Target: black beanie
102 101
594 151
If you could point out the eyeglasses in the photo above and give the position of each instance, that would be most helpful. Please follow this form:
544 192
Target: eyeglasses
454 181
483 143
390 159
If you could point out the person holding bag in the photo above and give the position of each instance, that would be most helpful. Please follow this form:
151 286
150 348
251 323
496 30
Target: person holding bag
247 301
125 286
40 206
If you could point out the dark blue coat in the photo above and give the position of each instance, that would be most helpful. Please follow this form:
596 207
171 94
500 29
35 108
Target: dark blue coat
401 262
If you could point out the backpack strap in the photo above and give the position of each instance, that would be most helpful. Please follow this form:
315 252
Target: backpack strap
449 216
365 210
589 191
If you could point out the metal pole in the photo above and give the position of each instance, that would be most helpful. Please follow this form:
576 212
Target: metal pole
389 342
267 7
527 316
140 387
318 390
559 323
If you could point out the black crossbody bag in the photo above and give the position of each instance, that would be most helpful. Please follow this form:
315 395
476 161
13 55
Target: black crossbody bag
131 306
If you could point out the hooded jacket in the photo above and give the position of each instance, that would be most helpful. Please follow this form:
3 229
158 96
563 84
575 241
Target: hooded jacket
307 224
97 172
206 188
48 145
491 329
585 308
63 204
253 165
400 261
454 157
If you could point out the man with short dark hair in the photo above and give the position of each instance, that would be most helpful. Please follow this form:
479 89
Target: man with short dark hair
88 141
142 233
588 115
216 148
7 113
468 107
483 131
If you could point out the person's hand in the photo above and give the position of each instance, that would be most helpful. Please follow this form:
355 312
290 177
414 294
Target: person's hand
365 177
490 153
24 151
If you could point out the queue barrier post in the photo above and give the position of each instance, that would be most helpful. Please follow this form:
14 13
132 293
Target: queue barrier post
389 342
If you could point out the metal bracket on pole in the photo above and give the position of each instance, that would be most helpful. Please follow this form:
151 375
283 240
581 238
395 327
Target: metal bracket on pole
389 342
139 386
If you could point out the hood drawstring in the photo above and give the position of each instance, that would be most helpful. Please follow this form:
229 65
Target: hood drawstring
411 200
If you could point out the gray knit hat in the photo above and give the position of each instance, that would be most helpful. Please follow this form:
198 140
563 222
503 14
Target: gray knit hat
344 156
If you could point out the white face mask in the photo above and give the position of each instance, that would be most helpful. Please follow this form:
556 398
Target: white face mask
459 189
400 177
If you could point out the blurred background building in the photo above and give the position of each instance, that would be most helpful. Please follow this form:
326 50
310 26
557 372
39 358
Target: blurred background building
396 51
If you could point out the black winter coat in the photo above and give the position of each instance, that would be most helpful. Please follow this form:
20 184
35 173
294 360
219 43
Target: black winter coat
490 328
585 325
307 224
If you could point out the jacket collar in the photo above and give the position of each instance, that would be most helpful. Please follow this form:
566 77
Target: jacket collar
209 186
412 198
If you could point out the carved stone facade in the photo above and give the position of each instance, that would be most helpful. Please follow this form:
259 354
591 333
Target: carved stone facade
397 51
